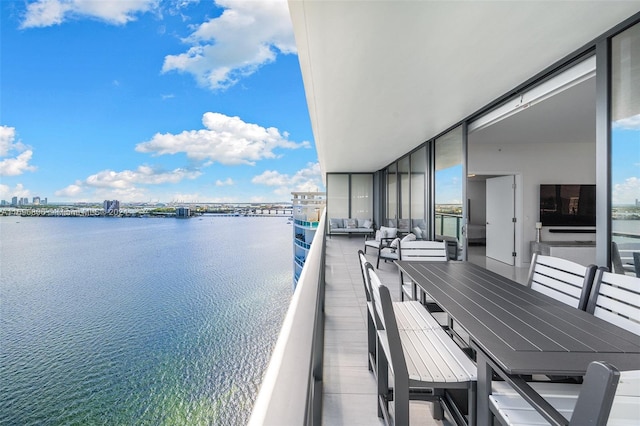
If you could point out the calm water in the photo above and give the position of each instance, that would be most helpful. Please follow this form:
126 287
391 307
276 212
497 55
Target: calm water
138 321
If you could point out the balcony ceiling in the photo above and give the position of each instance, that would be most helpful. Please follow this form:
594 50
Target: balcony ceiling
381 77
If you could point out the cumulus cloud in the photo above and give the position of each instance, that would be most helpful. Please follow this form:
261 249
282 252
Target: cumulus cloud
630 123
13 166
247 35
125 184
226 140
45 13
626 192
6 192
308 179
226 182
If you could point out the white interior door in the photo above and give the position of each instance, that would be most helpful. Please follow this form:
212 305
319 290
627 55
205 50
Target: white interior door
500 216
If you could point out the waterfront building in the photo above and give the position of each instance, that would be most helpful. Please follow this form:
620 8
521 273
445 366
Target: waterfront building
36 201
111 207
307 208
183 212
451 110
14 201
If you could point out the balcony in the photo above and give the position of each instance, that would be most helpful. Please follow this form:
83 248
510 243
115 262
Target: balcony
337 387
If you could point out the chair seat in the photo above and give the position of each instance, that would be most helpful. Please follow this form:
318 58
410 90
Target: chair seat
372 243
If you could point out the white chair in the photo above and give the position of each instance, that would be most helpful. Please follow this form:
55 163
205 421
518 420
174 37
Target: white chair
622 257
423 251
424 362
562 279
607 397
616 298
382 238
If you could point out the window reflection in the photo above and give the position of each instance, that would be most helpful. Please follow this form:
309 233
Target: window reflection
625 142
448 186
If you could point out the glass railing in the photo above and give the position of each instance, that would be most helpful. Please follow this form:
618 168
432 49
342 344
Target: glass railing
448 224
306 224
291 391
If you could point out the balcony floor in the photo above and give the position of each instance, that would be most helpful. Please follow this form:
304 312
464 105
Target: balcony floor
349 394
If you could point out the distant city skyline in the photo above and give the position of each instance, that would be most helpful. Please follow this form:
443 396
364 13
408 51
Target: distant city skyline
152 101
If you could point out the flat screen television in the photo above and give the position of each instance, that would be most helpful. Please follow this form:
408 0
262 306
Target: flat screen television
568 205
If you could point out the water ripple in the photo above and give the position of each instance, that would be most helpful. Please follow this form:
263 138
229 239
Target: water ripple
139 321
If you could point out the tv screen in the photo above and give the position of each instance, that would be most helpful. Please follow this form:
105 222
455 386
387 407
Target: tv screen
568 205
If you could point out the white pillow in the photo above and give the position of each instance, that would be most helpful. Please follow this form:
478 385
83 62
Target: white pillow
408 237
394 243
389 232
417 231
367 224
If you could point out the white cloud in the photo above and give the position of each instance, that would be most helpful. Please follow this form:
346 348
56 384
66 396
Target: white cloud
626 192
17 166
308 179
6 193
8 141
125 185
247 35
630 123
226 182
227 140
20 163
44 13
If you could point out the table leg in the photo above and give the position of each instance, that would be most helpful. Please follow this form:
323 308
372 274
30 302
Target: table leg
485 373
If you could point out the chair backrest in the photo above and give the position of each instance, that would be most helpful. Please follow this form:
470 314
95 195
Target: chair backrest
622 257
429 251
376 284
562 279
616 299
365 266
636 262
626 402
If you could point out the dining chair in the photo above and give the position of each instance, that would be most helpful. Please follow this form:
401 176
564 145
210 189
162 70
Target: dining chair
564 280
423 360
422 251
365 268
607 397
616 298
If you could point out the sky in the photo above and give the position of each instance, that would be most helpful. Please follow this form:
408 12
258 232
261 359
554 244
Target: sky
152 101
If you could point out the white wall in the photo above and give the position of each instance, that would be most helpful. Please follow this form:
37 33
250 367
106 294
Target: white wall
535 164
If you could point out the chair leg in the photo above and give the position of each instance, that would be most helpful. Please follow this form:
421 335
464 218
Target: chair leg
371 342
382 370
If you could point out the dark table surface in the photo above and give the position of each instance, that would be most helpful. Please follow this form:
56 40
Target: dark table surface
523 331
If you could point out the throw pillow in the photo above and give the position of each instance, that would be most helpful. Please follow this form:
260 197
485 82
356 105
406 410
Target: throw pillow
408 237
336 223
418 232
350 224
367 224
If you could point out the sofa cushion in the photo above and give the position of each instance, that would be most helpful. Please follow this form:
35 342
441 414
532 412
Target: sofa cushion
350 223
366 224
336 223
388 232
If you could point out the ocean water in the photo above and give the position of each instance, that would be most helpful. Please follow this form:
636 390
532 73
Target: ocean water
114 321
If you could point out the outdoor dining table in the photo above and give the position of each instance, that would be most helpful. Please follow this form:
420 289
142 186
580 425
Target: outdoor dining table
517 331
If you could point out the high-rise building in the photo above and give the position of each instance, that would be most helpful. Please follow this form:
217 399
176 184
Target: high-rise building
36 201
183 212
14 201
111 207
307 208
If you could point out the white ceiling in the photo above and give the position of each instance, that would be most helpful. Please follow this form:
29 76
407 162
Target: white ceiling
381 77
567 117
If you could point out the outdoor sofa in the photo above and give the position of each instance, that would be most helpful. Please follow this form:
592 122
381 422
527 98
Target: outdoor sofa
349 226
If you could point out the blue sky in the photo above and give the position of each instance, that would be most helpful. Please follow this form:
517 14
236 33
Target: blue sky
152 100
